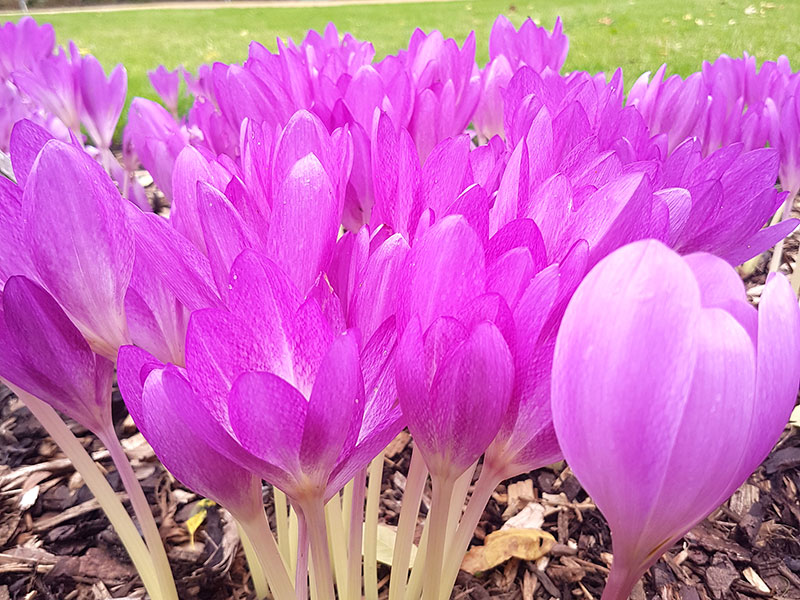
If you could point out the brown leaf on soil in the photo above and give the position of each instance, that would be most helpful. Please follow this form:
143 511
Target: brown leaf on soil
500 546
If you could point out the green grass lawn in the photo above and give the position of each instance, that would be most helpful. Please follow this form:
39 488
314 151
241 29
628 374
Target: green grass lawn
637 35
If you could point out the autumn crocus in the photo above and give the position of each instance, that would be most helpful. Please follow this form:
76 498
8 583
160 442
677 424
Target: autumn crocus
166 84
155 395
279 392
654 352
72 262
454 368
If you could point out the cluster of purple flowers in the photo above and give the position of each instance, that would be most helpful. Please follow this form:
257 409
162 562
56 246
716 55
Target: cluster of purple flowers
66 93
345 257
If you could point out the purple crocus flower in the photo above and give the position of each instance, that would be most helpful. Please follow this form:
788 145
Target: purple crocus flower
673 106
454 371
77 241
289 340
166 84
489 114
44 354
531 45
281 393
24 44
447 84
102 99
156 139
55 85
655 351
156 395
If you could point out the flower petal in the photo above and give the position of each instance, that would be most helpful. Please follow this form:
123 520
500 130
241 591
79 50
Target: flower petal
335 408
81 242
45 354
627 338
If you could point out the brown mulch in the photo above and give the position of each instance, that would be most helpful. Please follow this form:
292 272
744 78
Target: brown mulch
56 545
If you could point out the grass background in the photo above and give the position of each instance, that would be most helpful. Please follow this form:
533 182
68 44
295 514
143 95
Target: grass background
637 35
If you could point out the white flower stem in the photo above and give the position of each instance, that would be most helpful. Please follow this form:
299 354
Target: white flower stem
371 528
356 532
406 525
282 523
141 508
101 489
338 542
256 572
267 555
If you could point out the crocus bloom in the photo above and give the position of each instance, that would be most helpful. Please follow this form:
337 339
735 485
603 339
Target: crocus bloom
454 369
55 85
166 84
156 139
654 352
25 44
77 243
102 99
279 392
531 45
44 354
80 241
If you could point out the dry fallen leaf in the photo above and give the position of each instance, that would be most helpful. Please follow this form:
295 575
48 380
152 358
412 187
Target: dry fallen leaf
198 517
386 536
530 517
794 420
756 581
500 546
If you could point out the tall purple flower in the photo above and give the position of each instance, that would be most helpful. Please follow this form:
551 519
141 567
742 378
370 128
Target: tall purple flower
654 352
166 84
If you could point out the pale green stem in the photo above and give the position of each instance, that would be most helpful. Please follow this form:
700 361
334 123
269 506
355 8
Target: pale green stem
312 583
314 513
97 484
407 524
457 500
347 504
371 528
356 529
438 521
282 524
301 564
257 531
417 577
141 509
256 572
484 487
294 538
777 253
338 543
